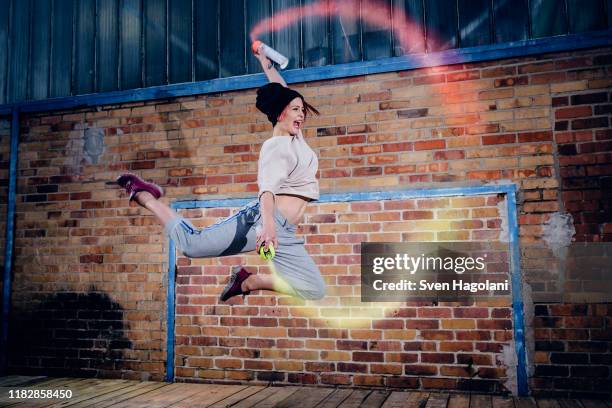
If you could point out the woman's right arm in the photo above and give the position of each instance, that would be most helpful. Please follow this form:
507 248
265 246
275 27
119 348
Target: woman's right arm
269 70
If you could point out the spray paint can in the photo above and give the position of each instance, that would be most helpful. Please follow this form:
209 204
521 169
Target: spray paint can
271 53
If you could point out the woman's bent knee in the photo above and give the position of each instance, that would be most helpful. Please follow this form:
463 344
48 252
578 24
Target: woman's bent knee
189 239
314 293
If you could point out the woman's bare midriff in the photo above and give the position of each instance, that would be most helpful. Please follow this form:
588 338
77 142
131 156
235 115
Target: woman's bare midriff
292 207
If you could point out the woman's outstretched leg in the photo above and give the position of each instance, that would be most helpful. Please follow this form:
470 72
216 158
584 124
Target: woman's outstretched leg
147 194
161 210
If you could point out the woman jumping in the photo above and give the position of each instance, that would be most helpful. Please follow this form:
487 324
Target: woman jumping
287 181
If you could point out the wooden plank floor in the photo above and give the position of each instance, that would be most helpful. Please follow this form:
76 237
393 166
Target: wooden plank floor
101 393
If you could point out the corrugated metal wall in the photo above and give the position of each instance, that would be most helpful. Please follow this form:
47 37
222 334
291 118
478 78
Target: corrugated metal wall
54 48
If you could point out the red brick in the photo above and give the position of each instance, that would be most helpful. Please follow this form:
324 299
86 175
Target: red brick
85 195
320 367
352 368
449 155
584 322
336 173
462 76
547 78
257 365
511 81
430 79
454 371
141 165
351 139
370 149
394 369
418 215
456 346
236 148
375 96
422 324
398 147
179 172
245 178
499 139
382 159
437 334
490 347
485 175
499 71
363 128
494 324
368 356
480 129
331 131
438 312
430 144
218 180
367 171
412 113
302 332
560 101
577 112
419 369
402 382
410 168
473 335
301 378
420 345
597 122
336 379
536 67
394 105
351 345
475 359
192 181
388 324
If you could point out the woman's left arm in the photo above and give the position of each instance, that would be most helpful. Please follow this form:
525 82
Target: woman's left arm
268 69
272 169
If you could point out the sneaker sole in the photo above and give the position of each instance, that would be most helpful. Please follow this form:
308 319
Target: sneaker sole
157 187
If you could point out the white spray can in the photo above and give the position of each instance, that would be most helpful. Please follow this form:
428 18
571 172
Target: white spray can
271 53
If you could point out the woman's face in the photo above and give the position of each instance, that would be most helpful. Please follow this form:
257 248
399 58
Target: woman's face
292 118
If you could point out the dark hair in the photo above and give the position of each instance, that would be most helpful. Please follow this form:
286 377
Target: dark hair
273 98
308 108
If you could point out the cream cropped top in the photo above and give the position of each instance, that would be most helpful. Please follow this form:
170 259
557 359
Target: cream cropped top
287 165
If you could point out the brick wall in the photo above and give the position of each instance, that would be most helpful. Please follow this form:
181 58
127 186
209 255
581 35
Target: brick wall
81 248
340 340
573 350
573 339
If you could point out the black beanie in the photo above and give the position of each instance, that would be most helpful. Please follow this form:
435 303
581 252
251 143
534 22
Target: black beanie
272 99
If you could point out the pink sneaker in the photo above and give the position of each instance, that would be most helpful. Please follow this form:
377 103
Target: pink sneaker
134 184
234 286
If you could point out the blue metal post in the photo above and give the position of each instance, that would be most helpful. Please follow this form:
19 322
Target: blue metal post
170 313
9 239
517 296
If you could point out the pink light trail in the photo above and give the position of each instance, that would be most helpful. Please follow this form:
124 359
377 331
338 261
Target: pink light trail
373 12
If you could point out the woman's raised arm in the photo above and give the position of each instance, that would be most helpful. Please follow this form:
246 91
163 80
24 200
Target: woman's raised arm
269 70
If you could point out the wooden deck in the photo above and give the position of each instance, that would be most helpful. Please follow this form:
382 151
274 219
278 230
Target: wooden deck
123 393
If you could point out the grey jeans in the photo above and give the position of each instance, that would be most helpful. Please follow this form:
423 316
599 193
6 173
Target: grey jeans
237 234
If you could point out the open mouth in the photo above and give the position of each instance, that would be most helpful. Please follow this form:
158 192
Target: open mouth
297 124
